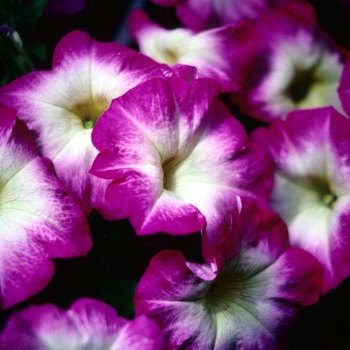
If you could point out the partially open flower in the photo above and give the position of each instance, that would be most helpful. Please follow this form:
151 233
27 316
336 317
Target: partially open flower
297 66
39 219
175 153
88 324
312 185
224 54
61 106
249 304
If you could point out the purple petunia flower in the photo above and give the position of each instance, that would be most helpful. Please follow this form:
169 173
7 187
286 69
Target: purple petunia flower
88 324
61 106
224 54
310 151
297 66
39 219
175 154
200 15
249 304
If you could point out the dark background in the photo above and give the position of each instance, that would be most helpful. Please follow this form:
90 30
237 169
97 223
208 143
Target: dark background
118 258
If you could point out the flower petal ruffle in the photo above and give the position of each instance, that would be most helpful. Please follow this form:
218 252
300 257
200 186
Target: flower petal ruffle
88 324
61 106
39 219
172 147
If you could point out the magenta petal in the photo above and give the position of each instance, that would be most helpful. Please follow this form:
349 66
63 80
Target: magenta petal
297 66
172 151
88 324
62 105
169 269
39 219
312 188
249 303
234 48
167 293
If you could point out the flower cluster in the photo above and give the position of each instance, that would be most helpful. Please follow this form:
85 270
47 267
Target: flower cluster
146 136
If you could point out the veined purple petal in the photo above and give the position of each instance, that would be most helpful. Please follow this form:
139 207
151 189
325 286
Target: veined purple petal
61 106
39 219
172 149
88 324
311 191
248 304
224 54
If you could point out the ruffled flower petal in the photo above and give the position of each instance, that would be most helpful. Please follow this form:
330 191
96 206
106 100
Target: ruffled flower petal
88 324
174 154
39 219
249 304
223 54
61 106
311 192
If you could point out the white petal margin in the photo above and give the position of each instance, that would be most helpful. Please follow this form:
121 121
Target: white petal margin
39 219
61 106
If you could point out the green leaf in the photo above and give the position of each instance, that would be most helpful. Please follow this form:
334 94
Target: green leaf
31 13
16 60
21 17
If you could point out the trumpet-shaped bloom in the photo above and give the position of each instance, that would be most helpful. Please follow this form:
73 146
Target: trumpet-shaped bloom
175 153
200 15
39 219
88 324
297 66
249 304
312 185
223 54
61 106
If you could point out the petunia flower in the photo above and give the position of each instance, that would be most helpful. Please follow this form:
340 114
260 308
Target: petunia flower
199 15
61 106
39 219
175 154
249 304
87 324
297 66
311 193
224 54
